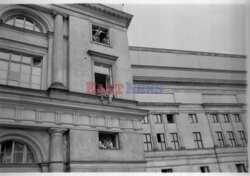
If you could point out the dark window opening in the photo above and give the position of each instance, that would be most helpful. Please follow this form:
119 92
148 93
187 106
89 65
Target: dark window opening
166 170
108 140
204 169
100 81
100 34
161 141
170 118
241 168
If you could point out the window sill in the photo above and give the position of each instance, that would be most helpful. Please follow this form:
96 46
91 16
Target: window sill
109 148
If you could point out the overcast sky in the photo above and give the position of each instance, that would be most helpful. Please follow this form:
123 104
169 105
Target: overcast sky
198 27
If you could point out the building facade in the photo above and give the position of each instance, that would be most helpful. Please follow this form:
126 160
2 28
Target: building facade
74 97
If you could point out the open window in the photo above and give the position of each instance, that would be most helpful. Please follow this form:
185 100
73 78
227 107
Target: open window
100 34
170 118
108 140
103 77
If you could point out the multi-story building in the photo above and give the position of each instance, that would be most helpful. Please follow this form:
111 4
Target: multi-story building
157 109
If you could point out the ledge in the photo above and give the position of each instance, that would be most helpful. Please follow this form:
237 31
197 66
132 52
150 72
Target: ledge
103 55
157 104
223 104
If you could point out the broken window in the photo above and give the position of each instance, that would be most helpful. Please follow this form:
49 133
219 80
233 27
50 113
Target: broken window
108 140
100 34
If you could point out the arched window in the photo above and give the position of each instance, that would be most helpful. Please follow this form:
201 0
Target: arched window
24 22
13 152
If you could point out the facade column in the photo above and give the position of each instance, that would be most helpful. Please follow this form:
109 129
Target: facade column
56 150
180 136
57 58
153 134
167 135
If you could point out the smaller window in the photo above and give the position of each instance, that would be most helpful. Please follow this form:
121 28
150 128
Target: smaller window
108 140
161 141
158 118
231 138
100 34
198 140
215 118
147 142
145 120
226 118
237 117
241 168
175 141
243 138
167 170
193 118
170 118
204 169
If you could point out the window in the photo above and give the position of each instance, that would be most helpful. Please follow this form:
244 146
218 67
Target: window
237 117
226 118
170 118
166 170
24 22
161 141
100 34
158 118
147 142
13 152
215 118
243 138
145 120
241 168
193 118
231 138
103 77
198 140
108 140
204 169
175 141
20 70
220 138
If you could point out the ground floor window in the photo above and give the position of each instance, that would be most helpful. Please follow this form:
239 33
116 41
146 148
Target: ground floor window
108 140
241 168
16 153
167 170
204 169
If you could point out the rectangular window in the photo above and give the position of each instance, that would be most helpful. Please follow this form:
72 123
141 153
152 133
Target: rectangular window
241 168
175 141
198 140
161 141
204 169
147 142
100 34
226 118
170 118
220 138
193 118
145 120
243 138
108 140
215 118
103 77
158 118
237 117
166 170
231 138
20 70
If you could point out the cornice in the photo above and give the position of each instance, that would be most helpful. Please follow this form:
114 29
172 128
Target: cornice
157 104
103 55
200 53
223 104
189 82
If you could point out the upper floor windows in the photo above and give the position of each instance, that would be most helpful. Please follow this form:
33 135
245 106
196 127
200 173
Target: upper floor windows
237 118
198 140
145 120
24 22
100 35
170 118
108 140
193 118
20 70
158 118
13 152
215 118
226 118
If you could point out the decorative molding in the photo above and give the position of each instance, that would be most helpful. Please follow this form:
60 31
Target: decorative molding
147 49
223 104
157 104
189 82
102 55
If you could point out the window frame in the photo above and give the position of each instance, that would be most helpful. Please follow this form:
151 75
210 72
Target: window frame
169 116
117 140
145 120
193 118
175 141
147 143
206 169
198 140
101 26
215 118
231 138
162 143
243 138
158 118
239 167
226 118
220 138
237 118
21 64
168 170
